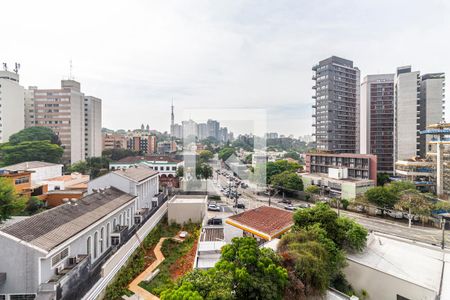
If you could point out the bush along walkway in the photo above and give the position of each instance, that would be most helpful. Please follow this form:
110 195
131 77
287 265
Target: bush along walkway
134 285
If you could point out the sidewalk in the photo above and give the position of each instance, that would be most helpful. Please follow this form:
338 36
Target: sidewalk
139 292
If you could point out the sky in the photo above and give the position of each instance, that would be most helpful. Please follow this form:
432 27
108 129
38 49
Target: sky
138 55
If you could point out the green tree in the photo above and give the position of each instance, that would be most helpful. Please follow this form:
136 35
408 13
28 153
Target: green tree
10 202
118 154
397 187
36 133
415 203
309 255
312 189
180 172
205 155
280 166
29 151
93 166
203 171
287 180
225 153
381 196
34 205
346 233
292 154
382 179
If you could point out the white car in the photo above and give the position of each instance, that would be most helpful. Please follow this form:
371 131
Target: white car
213 207
183 234
395 214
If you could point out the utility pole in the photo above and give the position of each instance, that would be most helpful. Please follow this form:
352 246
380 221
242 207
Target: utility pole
269 193
443 233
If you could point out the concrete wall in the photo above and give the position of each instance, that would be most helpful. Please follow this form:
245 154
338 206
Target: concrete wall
20 263
45 173
182 213
380 285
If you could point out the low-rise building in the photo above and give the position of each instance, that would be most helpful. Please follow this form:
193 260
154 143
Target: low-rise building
114 141
21 180
337 185
359 166
74 181
57 254
40 170
166 167
404 269
418 171
187 208
138 181
264 223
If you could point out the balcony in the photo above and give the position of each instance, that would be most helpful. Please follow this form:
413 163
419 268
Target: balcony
314 87
71 266
315 67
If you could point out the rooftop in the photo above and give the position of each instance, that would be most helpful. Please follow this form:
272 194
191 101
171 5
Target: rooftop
29 165
70 177
137 173
265 221
189 199
414 262
137 159
50 228
324 175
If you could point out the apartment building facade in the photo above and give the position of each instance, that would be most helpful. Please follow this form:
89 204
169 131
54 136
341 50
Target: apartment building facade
93 126
418 102
336 96
11 105
376 120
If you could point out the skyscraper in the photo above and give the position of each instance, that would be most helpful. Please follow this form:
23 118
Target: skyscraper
418 102
213 128
336 99
11 105
377 119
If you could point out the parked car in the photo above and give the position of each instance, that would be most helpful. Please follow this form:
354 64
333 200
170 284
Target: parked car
239 205
413 217
213 207
183 234
395 214
215 221
304 205
290 207
287 201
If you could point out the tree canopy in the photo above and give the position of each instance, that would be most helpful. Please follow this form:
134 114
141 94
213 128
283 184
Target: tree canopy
244 271
346 233
287 180
36 133
118 154
312 189
205 155
92 166
225 153
292 154
280 166
10 202
388 195
29 151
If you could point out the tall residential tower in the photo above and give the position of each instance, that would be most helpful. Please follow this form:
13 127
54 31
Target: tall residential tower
336 100
11 105
376 122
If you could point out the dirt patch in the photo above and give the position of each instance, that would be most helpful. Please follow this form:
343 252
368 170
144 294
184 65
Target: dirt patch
184 264
149 257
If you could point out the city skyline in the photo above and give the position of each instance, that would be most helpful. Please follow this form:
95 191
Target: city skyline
219 55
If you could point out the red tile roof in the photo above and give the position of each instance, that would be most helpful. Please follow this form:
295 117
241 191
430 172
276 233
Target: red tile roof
266 222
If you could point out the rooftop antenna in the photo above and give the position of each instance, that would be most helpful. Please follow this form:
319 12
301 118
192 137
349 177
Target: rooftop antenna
70 71
16 68
5 67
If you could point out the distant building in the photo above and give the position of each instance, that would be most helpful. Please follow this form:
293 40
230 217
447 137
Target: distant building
377 120
40 170
12 117
213 128
114 141
167 147
336 105
223 134
272 135
93 126
176 131
202 131
418 102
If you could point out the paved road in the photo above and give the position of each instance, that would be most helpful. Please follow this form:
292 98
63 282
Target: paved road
416 232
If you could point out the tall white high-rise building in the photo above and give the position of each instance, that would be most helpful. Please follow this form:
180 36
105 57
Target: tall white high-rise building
93 126
418 102
12 117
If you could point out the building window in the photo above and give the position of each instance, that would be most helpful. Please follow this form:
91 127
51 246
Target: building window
95 244
60 256
22 180
88 246
102 238
22 297
108 232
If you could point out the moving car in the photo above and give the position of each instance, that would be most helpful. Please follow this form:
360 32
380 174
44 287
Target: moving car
290 207
304 205
239 205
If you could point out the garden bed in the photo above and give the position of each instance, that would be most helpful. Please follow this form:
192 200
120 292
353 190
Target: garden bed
179 257
142 257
